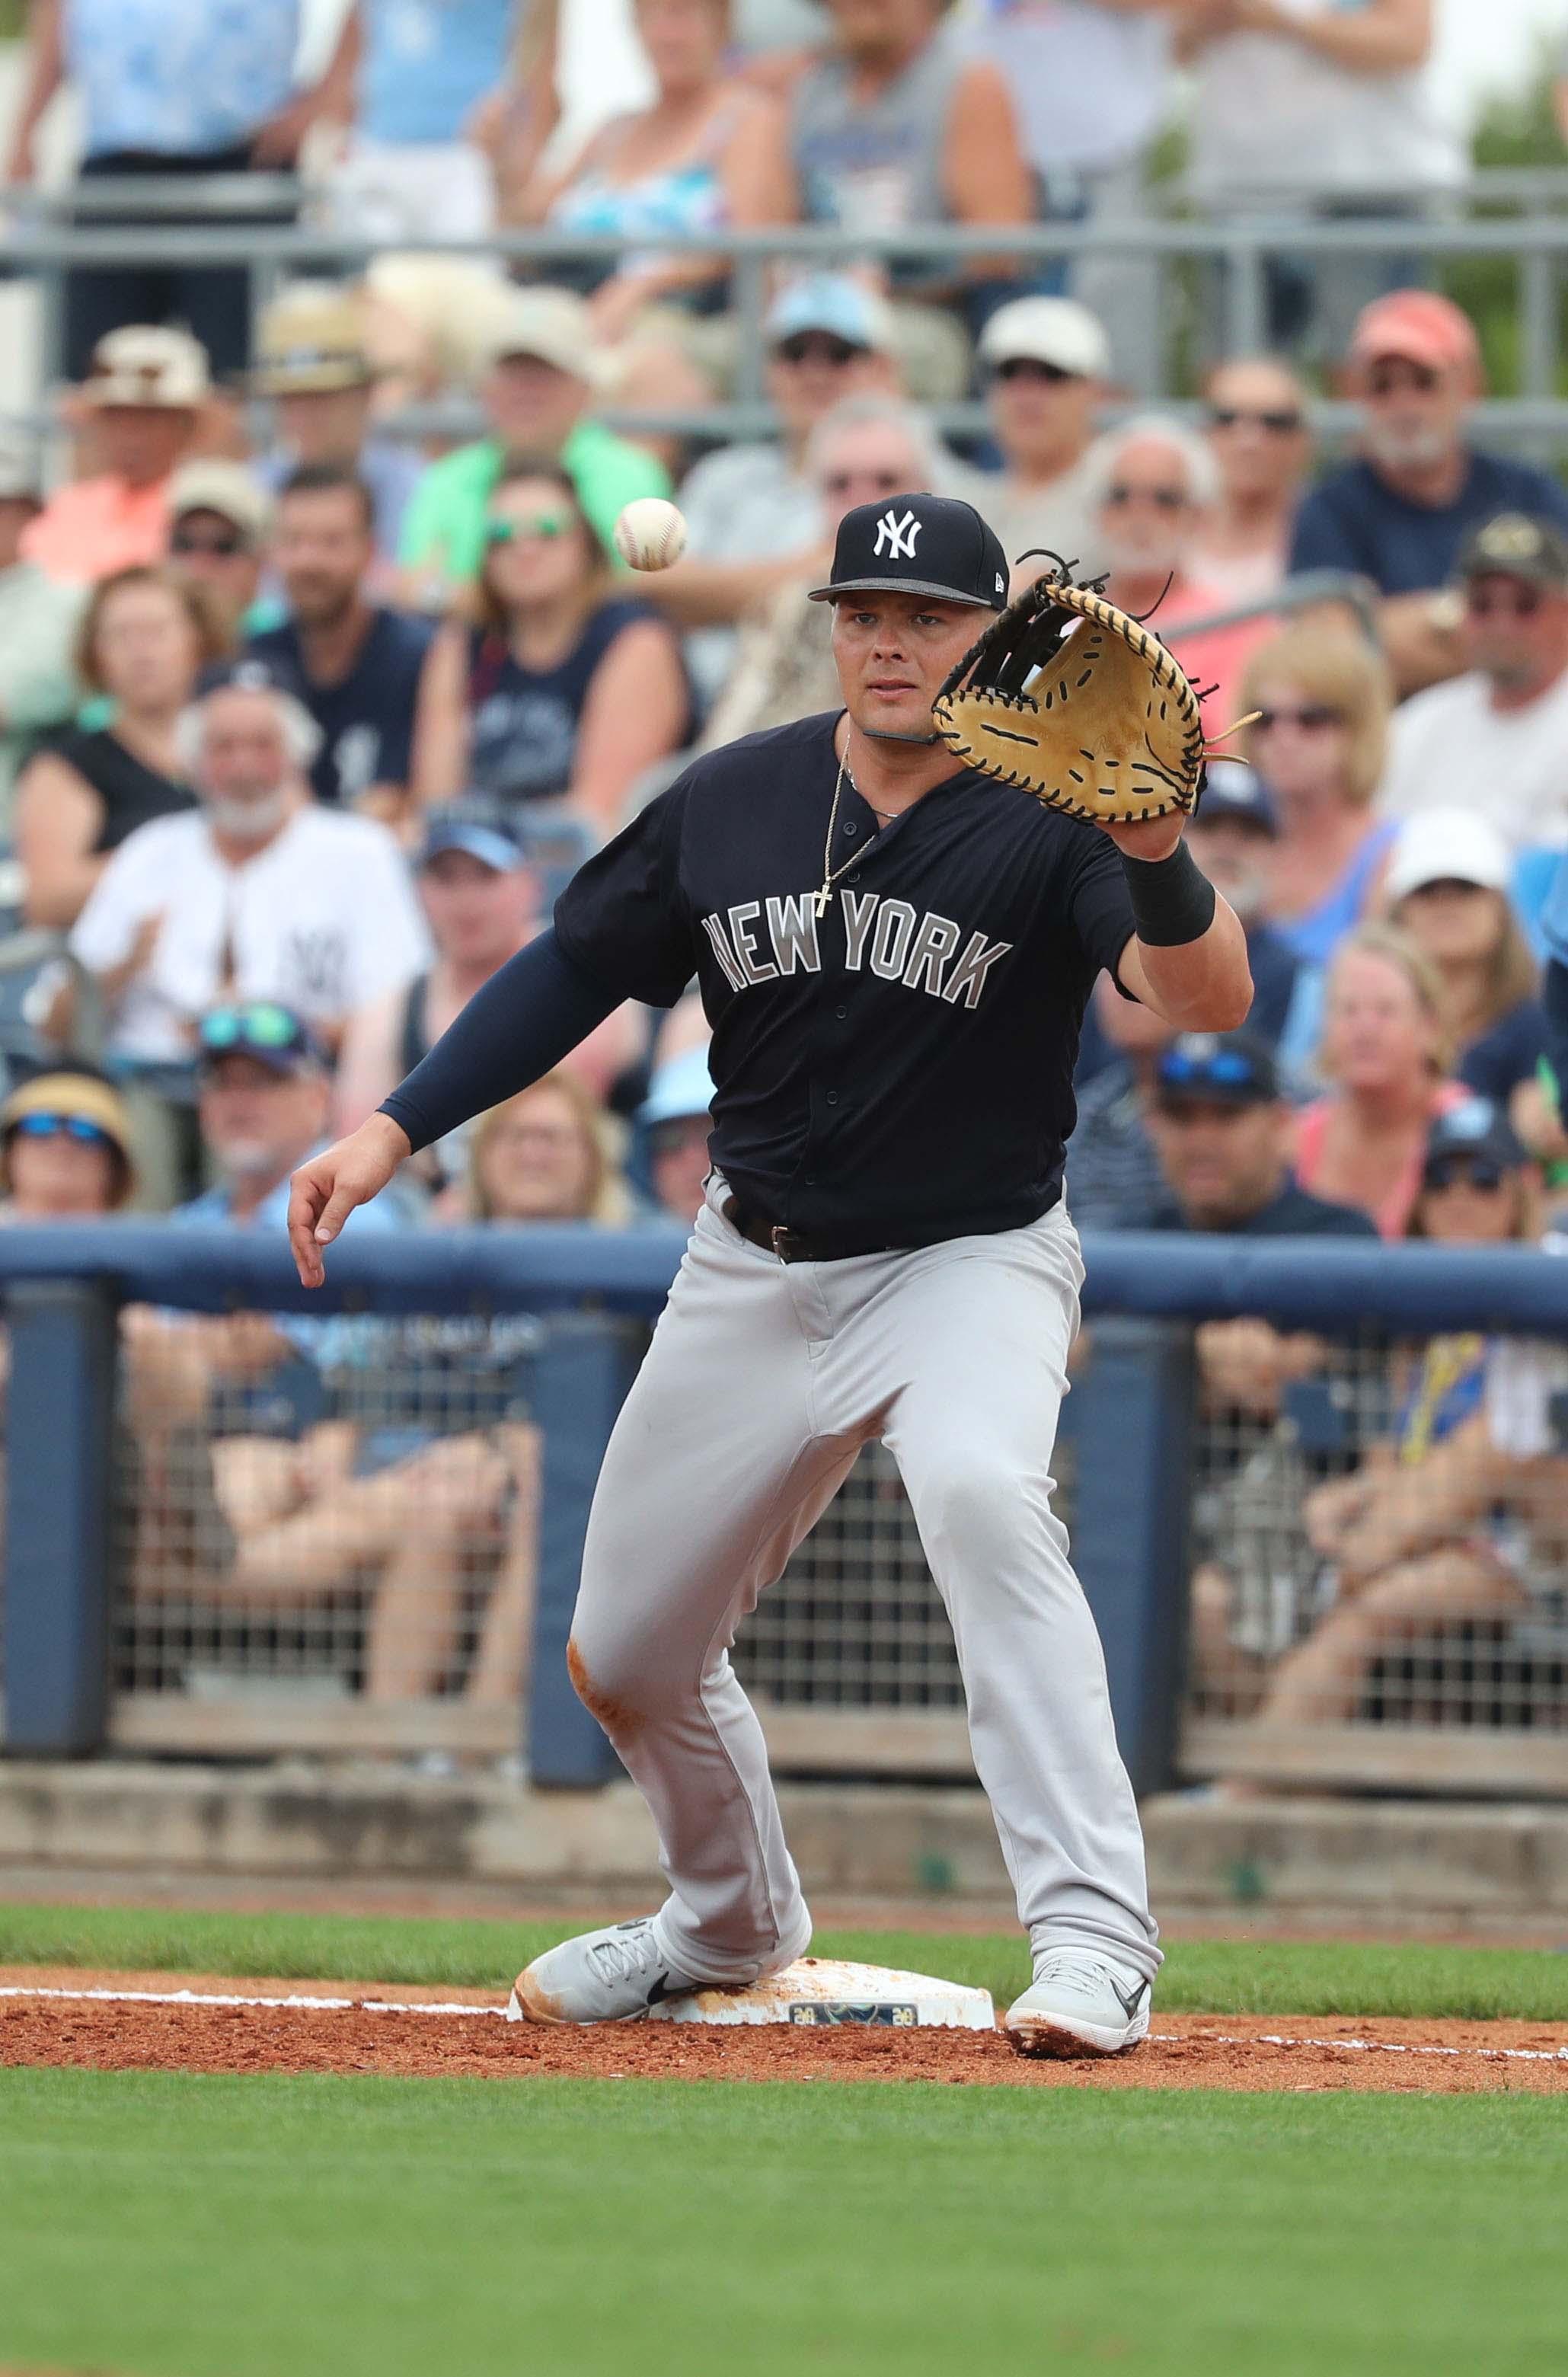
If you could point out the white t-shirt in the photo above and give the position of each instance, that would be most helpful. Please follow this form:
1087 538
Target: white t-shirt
1270 115
322 919
1090 84
1448 748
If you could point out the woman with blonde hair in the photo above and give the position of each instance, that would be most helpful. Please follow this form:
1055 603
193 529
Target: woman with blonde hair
1324 697
555 687
145 637
1385 1053
546 1156
1447 887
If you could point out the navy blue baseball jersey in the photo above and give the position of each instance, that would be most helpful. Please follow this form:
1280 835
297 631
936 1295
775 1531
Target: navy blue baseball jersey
895 1067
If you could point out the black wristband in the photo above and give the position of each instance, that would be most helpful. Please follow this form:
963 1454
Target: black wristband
1173 900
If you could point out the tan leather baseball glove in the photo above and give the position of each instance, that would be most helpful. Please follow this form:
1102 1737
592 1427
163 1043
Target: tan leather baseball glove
1076 702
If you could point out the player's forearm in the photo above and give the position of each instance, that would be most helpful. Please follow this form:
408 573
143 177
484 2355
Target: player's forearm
1200 983
528 1017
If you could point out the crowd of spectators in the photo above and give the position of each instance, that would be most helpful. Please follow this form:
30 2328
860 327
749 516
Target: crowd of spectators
306 713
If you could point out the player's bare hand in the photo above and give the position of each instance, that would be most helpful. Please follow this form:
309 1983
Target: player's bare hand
1150 838
324 1191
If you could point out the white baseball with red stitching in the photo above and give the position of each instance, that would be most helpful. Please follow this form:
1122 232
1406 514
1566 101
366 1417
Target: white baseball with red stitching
650 533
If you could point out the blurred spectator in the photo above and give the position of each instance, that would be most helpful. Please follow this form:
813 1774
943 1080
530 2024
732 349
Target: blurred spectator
429 321
259 894
866 448
65 1150
1447 887
1319 744
543 366
1113 1174
303 1505
168 88
1090 81
1223 1131
558 687
752 514
1232 837
314 364
144 640
1257 435
676 1117
544 1156
1444 1520
1308 105
218 522
707 153
895 125
1495 740
1385 1053
356 663
1151 485
1046 364
412 75
143 396
38 631
1399 513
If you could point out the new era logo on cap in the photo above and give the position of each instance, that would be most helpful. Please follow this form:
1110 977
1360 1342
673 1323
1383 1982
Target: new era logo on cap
918 544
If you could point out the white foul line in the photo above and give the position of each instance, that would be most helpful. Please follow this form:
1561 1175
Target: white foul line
498 2014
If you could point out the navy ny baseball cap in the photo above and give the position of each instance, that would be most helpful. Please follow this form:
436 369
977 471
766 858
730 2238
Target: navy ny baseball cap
472 827
1477 1134
1232 1069
917 544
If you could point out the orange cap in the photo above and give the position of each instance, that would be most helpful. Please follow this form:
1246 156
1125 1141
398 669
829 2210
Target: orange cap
1420 327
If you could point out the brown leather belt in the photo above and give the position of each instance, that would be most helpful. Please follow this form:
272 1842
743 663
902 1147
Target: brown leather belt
794 1245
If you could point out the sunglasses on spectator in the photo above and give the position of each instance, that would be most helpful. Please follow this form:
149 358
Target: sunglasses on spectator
548 525
221 547
260 1024
1400 372
1032 367
1517 602
1281 424
818 347
49 1126
1464 1172
1312 718
1224 1067
1169 499
881 482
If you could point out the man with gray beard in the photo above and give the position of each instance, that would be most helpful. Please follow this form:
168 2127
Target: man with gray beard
1399 513
259 893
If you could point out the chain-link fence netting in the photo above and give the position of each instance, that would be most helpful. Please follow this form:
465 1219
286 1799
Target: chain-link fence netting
345 1513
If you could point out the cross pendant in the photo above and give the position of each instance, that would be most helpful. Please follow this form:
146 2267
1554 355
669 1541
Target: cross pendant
822 901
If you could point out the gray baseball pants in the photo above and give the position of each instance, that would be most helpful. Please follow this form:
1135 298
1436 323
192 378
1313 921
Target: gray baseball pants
764 1380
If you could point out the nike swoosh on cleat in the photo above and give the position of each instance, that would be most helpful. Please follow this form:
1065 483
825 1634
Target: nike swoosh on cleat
667 1986
1130 2005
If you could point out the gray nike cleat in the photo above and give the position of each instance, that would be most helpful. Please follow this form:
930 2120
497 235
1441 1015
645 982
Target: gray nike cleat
610 1975
1080 2003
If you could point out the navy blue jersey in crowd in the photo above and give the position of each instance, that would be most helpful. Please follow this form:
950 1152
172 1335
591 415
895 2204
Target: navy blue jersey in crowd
1353 519
366 717
898 1068
522 741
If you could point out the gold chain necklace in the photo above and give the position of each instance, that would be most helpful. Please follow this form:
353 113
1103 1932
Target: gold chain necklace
830 872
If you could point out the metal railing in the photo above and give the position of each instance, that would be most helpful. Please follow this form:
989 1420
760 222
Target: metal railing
48 239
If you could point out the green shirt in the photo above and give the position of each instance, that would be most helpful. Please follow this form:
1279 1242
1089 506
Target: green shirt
444 525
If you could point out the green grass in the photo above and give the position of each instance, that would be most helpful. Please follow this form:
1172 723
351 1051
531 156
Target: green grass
1206 1977
167 2225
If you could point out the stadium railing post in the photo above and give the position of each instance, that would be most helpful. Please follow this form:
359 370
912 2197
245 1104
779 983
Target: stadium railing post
59 1514
1131 1418
580 1381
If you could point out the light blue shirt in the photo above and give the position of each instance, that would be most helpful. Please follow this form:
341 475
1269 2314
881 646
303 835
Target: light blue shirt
332 1343
179 77
429 62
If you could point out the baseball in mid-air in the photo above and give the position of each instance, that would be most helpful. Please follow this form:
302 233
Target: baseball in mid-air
650 533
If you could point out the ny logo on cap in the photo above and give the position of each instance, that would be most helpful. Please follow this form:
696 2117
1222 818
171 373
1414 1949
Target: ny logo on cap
896 537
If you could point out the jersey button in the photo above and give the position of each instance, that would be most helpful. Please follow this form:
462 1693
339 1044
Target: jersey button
855 877
843 1013
833 1097
851 829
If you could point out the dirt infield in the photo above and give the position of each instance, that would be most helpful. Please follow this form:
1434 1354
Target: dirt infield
1234 2051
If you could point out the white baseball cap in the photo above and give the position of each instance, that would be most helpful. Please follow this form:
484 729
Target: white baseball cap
554 326
1048 330
1446 845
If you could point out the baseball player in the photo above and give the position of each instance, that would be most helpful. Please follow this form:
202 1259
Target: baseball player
894 952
